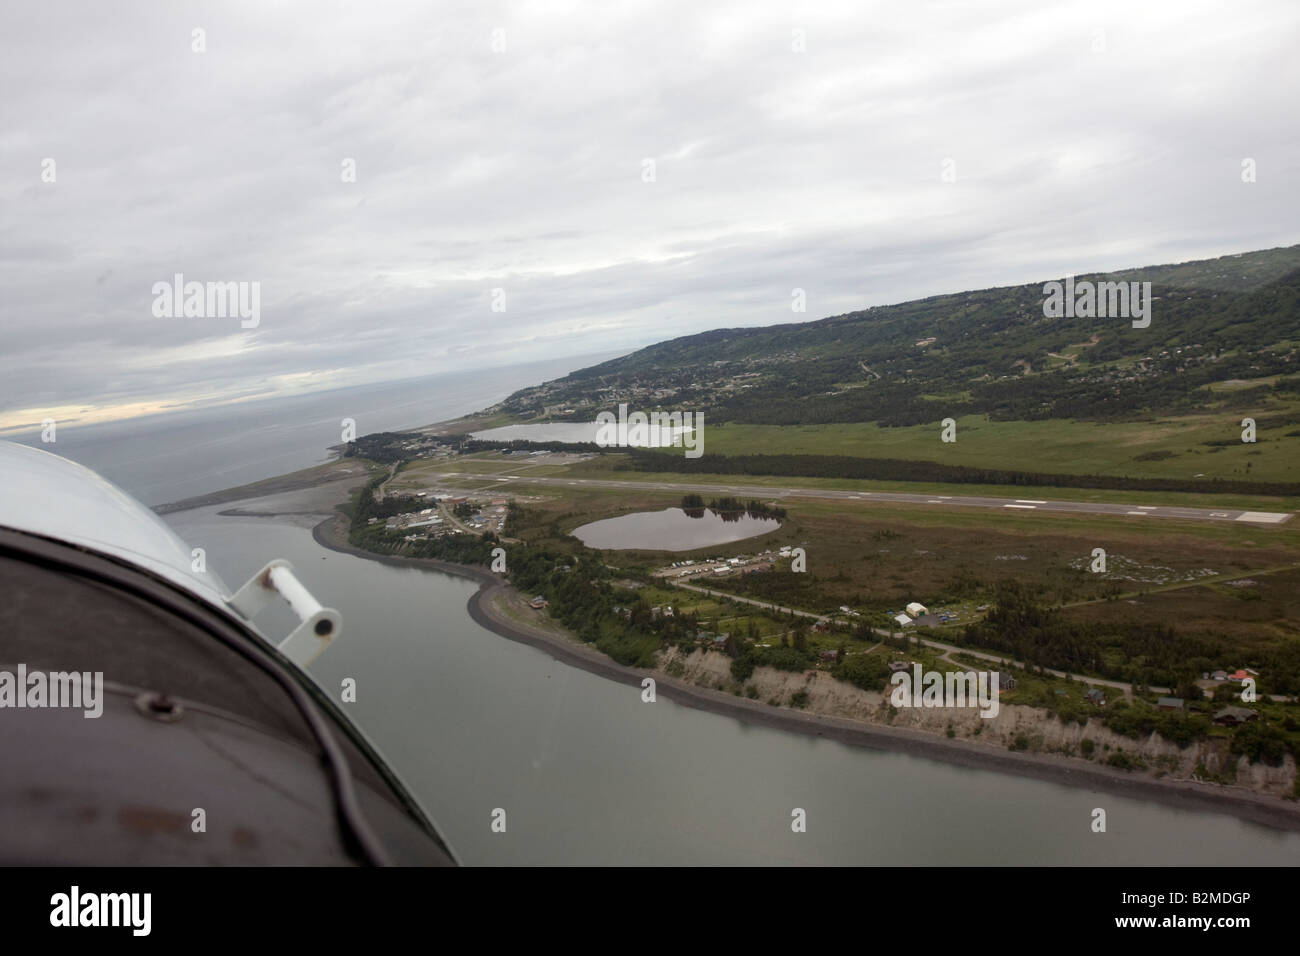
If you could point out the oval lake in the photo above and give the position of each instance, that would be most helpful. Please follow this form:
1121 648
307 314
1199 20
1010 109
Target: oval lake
671 530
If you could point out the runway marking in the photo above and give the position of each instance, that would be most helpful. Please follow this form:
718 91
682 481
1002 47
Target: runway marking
1027 504
1263 517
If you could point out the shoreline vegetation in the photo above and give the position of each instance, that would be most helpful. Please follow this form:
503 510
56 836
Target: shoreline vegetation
487 608
499 607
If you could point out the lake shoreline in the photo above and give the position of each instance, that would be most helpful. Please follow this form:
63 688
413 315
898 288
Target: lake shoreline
486 607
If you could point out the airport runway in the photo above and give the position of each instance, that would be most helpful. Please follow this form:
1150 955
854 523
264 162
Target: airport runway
1019 505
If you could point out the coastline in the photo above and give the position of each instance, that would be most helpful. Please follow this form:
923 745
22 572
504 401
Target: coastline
1182 794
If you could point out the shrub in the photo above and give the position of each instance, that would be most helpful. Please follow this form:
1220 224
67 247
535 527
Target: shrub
1124 761
863 670
742 668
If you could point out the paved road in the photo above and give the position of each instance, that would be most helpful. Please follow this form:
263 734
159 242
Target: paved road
1019 505
948 649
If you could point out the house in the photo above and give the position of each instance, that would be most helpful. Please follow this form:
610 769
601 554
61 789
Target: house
1238 676
538 603
916 610
1169 703
1219 675
1095 696
829 655
1232 716
1006 682
902 619
896 666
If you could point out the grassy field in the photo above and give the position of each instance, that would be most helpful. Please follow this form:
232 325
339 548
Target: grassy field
877 556
878 559
1206 446
1166 448
1249 608
717 614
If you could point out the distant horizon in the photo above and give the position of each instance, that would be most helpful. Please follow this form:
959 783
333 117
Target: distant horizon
425 190
161 408
13 433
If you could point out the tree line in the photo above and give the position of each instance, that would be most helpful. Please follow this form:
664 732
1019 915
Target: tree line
897 469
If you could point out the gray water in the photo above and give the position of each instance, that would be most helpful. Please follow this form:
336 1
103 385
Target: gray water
588 773
164 458
671 530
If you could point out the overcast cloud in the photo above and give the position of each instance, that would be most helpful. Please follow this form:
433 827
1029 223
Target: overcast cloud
1084 136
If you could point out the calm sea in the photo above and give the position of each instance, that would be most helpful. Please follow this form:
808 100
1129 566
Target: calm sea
163 458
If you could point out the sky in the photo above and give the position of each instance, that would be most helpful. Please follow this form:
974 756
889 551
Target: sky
415 187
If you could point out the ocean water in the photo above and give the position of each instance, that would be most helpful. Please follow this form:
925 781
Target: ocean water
164 458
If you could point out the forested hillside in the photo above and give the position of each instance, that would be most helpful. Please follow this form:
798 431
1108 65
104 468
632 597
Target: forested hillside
991 352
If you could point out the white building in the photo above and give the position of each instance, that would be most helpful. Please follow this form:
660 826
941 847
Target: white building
902 619
917 610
